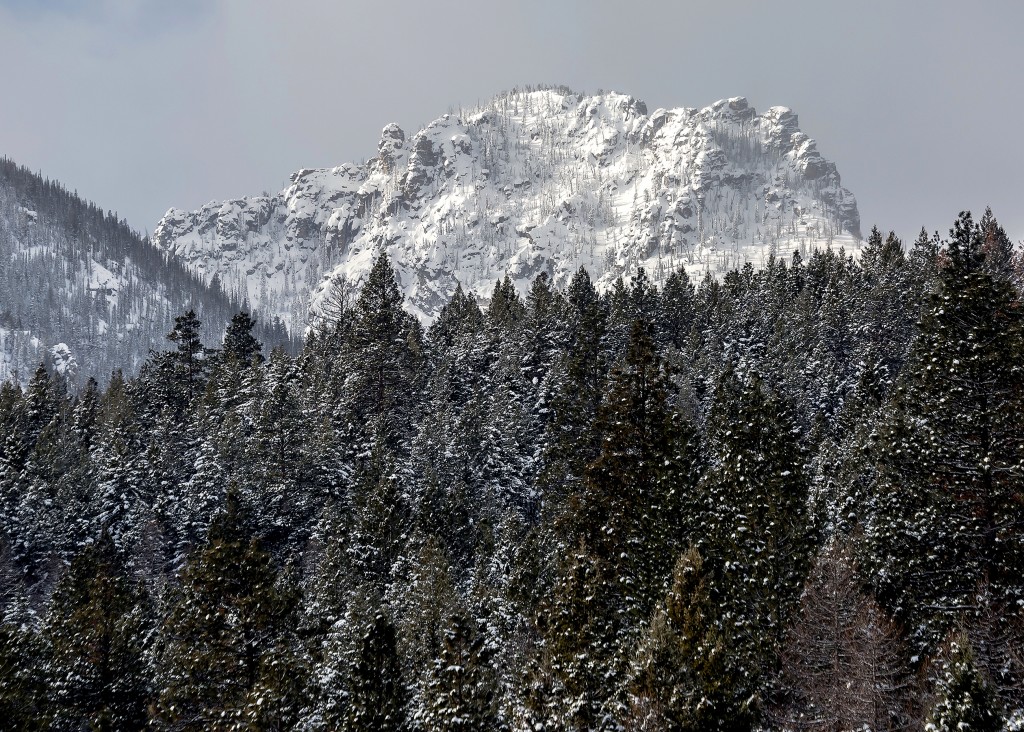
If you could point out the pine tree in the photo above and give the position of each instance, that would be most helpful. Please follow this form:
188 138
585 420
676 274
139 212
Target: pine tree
96 631
229 617
506 309
188 358
380 520
948 455
626 529
963 697
378 696
686 677
24 693
575 390
677 309
381 381
461 692
754 532
240 345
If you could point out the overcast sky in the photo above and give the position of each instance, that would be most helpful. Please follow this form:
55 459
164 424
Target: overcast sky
141 105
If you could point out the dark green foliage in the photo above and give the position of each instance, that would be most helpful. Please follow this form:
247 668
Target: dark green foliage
950 452
754 533
380 387
98 627
461 693
568 511
240 345
24 700
622 528
686 675
377 700
963 696
222 640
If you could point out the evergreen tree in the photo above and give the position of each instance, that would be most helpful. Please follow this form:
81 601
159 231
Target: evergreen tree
754 532
381 381
506 309
626 528
378 696
685 677
677 309
227 620
963 697
97 629
24 694
240 345
575 390
461 693
188 358
948 489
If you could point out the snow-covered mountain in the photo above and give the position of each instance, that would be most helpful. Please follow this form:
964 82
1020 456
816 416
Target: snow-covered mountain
541 180
84 293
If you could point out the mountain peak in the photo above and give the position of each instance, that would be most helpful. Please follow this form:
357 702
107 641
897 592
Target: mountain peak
536 180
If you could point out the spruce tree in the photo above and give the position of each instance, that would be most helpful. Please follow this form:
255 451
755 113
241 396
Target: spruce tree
24 690
461 692
754 532
685 677
623 529
240 345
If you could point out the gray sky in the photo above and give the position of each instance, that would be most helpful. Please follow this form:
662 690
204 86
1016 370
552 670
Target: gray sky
141 105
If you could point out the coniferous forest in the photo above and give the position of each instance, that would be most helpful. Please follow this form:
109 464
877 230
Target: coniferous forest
789 499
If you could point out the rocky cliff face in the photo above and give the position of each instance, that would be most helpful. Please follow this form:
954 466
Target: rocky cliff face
534 181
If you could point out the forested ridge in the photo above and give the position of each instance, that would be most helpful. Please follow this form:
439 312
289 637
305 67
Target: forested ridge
788 499
76 278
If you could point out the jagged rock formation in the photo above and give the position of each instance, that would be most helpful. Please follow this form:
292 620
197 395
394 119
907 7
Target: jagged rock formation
536 180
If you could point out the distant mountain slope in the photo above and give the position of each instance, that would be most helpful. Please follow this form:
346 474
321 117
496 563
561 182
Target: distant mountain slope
81 290
541 180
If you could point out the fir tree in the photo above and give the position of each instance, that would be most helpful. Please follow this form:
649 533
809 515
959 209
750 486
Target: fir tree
685 677
461 692
240 345
625 522
24 693
754 531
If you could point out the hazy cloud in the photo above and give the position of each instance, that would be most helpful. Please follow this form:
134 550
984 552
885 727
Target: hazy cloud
129 15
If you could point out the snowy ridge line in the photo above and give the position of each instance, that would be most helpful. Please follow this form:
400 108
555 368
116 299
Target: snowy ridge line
533 181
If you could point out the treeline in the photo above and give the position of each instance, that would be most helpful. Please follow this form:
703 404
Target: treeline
792 499
70 273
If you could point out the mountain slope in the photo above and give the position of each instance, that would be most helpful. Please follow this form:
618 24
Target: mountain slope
537 180
79 289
